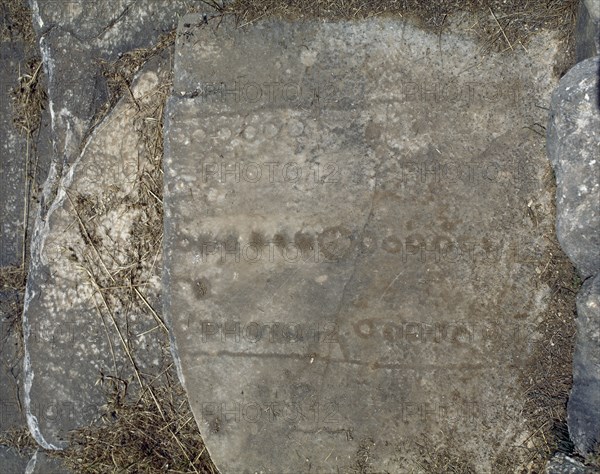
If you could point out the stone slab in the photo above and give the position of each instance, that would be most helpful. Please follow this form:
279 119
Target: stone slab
41 463
19 182
353 217
75 37
11 414
86 240
562 464
11 461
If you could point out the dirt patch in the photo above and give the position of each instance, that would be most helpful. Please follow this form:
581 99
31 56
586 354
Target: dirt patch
15 17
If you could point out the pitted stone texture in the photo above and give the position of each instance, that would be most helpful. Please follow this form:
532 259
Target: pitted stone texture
75 36
70 336
584 401
353 217
573 144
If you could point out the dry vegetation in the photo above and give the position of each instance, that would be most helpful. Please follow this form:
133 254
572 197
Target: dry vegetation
547 379
501 24
150 428
153 434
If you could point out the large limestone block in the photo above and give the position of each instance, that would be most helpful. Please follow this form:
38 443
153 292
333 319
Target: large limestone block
353 217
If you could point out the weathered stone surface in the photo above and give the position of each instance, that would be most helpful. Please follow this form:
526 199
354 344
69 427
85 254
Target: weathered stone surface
353 217
562 464
573 144
11 415
584 401
11 461
12 149
587 32
74 37
86 241
21 175
41 463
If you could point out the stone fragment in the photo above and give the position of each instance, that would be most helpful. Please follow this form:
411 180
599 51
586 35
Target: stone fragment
353 217
587 32
573 148
584 401
75 322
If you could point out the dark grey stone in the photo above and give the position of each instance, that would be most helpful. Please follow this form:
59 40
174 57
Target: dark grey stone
17 180
12 148
573 143
41 463
587 31
20 180
29 462
11 414
584 401
12 462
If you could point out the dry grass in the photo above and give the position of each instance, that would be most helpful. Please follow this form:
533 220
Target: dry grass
12 281
12 278
19 439
142 437
501 24
445 457
29 98
119 74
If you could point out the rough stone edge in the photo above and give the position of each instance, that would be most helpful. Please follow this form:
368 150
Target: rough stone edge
166 275
40 231
38 238
593 13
